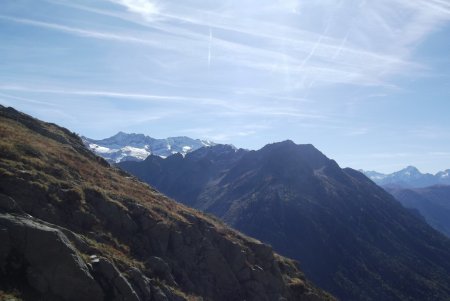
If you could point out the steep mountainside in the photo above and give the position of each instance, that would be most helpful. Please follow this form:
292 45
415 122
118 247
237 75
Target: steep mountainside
350 236
433 203
136 147
409 177
74 228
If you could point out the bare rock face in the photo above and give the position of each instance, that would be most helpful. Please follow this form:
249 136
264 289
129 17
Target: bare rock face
49 261
113 282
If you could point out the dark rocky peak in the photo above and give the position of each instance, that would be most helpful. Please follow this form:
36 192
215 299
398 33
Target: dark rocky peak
287 151
357 174
152 158
121 135
288 162
218 152
176 158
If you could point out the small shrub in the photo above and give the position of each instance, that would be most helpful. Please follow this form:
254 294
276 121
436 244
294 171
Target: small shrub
7 151
28 150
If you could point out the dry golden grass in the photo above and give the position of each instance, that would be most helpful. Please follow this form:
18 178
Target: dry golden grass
51 162
62 164
45 162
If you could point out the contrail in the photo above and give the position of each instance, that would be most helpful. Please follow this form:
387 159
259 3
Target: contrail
344 41
319 41
209 48
78 31
313 51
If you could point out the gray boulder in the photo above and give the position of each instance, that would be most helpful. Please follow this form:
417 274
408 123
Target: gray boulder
8 204
113 282
52 265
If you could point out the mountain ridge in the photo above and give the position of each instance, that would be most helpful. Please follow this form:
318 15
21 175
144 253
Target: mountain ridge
349 235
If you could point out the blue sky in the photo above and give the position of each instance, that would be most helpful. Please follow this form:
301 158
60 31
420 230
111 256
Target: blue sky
366 82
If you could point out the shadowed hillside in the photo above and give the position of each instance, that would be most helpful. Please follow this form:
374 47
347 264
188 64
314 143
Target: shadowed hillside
433 203
351 237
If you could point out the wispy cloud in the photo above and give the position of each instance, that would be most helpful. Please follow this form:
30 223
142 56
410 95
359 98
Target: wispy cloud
114 94
391 155
310 54
226 134
78 31
440 154
230 108
27 100
429 132
146 8
358 132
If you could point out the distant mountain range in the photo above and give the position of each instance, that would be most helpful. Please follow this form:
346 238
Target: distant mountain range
350 236
137 147
409 177
433 203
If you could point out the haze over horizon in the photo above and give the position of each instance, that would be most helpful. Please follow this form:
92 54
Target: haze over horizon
366 83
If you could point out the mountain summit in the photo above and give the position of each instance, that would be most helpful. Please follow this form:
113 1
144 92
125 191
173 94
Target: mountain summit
137 147
350 236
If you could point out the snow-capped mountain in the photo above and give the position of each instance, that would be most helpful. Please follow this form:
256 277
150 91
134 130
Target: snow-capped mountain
137 147
409 177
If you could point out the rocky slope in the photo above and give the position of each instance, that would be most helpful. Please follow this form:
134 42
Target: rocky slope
433 203
136 147
74 228
350 236
409 177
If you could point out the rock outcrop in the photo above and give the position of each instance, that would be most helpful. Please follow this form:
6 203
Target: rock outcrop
44 256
